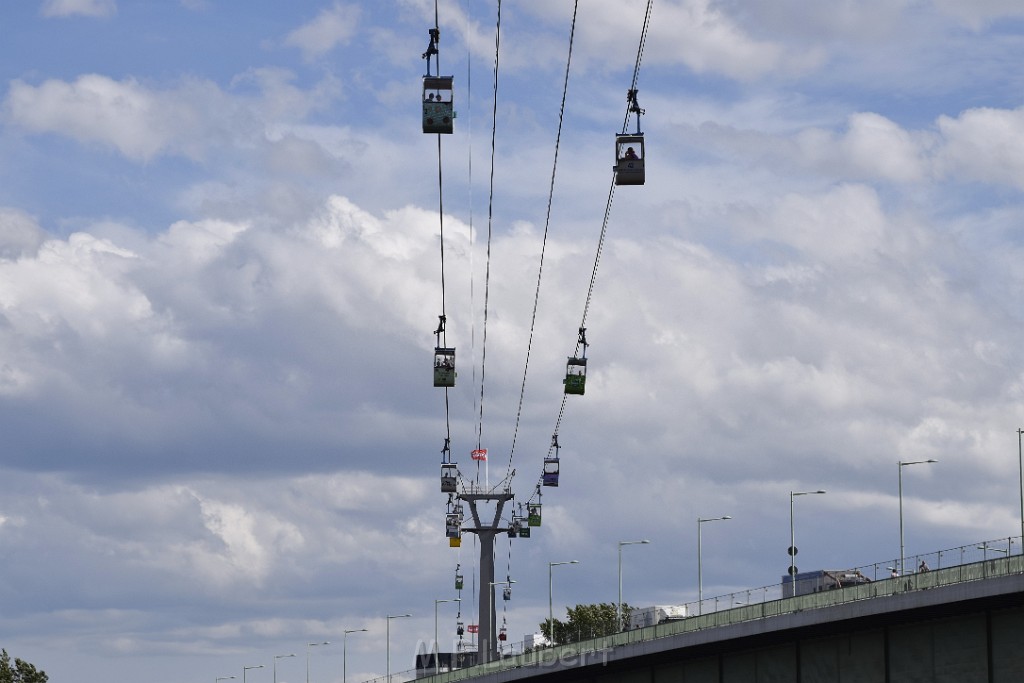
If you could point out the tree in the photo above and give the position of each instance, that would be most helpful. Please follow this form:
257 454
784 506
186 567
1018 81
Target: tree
586 621
21 672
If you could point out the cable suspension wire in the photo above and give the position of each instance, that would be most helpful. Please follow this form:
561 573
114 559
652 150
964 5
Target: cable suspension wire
544 243
611 196
441 332
490 230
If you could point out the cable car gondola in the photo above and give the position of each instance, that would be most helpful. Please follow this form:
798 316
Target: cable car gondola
523 528
629 159
437 92
551 471
629 149
444 359
438 111
550 474
452 525
444 367
576 368
449 477
534 514
576 376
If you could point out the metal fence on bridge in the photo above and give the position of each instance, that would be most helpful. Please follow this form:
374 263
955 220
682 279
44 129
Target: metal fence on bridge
972 562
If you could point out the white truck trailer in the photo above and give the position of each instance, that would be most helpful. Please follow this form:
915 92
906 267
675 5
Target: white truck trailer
642 617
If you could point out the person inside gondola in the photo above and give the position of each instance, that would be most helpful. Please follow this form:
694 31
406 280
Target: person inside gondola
630 154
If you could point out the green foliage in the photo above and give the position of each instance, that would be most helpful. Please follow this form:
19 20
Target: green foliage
21 672
584 622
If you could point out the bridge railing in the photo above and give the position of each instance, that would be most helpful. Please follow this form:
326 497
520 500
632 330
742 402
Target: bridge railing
971 562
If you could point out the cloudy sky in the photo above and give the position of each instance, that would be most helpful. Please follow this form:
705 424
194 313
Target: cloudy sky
220 274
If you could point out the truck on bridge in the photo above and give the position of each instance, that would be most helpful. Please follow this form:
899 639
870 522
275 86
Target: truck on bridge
822 580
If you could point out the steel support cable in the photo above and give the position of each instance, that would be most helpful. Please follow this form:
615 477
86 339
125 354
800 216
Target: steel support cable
544 242
490 230
440 212
611 197
640 48
444 311
472 228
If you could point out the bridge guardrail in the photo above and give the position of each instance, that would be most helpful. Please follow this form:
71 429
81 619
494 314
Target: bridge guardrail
972 562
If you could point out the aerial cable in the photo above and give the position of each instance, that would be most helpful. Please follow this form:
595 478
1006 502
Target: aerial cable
631 98
444 355
632 107
490 227
547 224
631 95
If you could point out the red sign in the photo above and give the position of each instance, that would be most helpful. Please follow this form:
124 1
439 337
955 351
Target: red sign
473 628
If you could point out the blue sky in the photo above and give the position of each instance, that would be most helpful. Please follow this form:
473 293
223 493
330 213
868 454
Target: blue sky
220 276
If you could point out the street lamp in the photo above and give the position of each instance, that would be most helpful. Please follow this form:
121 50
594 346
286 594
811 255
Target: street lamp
700 574
436 646
984 548
309 645
277 657
388 638
344 652
1020 464
246 668
902 569
551 610
792 538
618 605
223 678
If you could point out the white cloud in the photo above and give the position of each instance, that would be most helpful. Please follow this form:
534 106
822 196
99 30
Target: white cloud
20 235
142 122
984 144
700 34
88 8
121 114
332 27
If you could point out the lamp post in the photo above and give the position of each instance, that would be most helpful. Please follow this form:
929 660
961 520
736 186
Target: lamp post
1020 464
985 547
436 646
618 605
218 679
700 571
388 639
344 652
309 645
551 609
792 537
246 668
277 657
902 569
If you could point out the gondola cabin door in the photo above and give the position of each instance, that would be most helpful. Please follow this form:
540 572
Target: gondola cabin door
629 159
